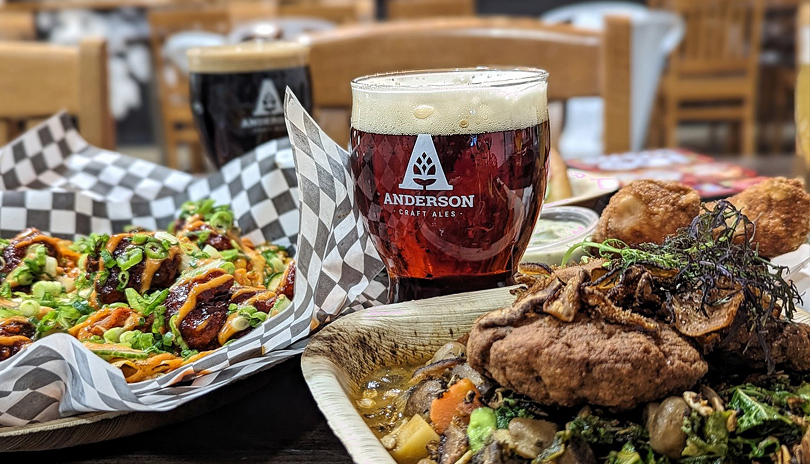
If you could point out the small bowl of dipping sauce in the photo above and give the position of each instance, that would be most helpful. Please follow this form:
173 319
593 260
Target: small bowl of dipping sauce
557 229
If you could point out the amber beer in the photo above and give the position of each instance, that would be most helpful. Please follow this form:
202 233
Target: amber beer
450 169
237 94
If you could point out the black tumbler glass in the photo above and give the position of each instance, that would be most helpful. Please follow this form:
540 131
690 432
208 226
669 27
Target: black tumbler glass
237 94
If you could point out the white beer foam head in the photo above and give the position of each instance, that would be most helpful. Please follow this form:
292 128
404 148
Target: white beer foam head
247 57
450 102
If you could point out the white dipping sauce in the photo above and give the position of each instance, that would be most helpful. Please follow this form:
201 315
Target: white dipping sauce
556 231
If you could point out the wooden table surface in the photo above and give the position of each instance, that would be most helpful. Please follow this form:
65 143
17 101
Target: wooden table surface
268 418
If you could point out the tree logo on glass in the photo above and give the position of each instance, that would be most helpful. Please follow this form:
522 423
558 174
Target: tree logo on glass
424 171
268 103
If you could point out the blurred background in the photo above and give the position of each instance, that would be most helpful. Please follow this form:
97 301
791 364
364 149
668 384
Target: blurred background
715 77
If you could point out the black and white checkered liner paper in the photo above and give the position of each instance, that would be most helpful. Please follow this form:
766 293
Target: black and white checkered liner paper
53 180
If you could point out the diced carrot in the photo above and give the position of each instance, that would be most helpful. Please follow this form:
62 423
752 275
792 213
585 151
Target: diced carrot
454 403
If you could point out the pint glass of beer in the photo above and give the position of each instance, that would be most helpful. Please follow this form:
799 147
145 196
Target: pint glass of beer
237 93
450 168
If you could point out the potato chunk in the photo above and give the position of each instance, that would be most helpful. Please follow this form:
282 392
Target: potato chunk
412 440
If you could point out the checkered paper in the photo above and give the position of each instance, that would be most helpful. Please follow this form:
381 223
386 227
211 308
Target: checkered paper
334 244
53 180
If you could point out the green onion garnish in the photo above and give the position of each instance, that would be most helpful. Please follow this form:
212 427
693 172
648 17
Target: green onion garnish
42 288
103 276
29 308
129 258
222 221
229 255
178 338
155 250
107 258
123 280
228 267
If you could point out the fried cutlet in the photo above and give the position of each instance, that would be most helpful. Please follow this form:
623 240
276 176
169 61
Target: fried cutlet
587 361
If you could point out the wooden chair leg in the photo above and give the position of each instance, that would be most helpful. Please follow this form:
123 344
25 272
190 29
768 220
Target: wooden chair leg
777 134
778 120
655 135
196 154
12 129
748 140
671 123
713 133
170 148
4 132
732 137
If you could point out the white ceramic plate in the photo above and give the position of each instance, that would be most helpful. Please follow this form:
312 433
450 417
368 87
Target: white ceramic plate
586 189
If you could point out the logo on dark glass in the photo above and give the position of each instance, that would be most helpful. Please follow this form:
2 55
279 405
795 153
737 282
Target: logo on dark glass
268 103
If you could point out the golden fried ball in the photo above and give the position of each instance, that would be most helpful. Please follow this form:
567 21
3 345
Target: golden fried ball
780 208
646 211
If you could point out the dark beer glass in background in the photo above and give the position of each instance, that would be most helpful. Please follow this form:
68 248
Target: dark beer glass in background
237 94
450 167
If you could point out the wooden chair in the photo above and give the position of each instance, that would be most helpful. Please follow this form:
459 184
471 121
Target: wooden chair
43 5
580 63
41 79
17 25
243 11
416 9
339 13
713 75
343 12
173 88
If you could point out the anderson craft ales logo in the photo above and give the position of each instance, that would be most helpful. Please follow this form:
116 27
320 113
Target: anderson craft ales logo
424 165
268 106
425 173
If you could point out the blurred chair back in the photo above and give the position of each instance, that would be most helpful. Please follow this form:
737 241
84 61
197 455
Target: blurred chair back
580 63
41 79
655 35
717 61
346 12
245 11
177 121
722 36
415 9
17 25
